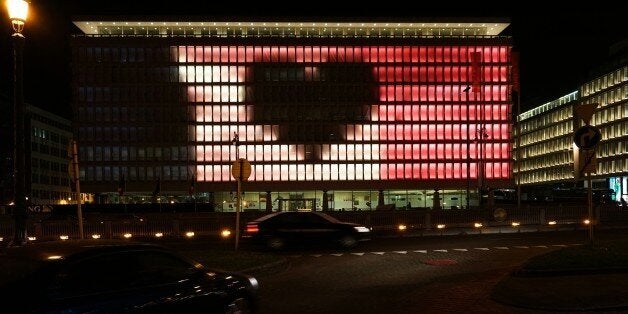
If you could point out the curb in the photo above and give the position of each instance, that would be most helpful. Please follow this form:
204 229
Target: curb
568 272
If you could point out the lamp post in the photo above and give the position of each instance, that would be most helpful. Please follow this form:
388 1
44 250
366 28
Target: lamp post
18 11
236 142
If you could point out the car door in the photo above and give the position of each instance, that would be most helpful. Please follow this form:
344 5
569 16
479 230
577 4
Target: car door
317 229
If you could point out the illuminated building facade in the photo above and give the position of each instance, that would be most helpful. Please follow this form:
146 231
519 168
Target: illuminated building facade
357 114
546 143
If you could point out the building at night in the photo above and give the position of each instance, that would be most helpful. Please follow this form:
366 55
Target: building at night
338 115
46 162
547 146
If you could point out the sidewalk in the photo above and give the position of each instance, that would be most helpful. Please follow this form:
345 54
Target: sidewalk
575 292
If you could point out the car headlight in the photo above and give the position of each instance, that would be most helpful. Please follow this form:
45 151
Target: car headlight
253 282
362 229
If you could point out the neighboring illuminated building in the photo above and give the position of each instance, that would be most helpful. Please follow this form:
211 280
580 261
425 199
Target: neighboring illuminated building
48 181
610 91
46 158
547 148
368 112
546 143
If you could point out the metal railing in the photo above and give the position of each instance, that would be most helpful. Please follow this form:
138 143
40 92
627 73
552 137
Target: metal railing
110 226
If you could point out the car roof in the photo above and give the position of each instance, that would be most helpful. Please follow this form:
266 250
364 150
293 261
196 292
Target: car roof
42 251
266 217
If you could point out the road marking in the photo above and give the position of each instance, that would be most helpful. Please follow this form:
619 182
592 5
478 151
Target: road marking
439 250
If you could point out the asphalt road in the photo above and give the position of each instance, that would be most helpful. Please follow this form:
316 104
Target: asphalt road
408 275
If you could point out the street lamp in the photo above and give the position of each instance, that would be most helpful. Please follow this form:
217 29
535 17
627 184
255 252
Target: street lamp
18 11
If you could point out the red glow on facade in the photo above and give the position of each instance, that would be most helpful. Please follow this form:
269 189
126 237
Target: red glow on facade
422 125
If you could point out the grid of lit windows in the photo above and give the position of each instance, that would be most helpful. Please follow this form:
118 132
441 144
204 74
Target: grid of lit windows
546 142
346 107
401 112
610 91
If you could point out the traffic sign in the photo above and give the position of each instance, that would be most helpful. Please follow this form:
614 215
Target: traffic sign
587 137
499 214
585 112
241 169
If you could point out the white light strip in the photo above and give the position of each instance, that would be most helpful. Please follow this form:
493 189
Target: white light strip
486 28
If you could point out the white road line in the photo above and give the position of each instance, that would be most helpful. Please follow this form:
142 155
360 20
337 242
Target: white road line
378 253
521 247
358 254
559 245
461 250
337 254
541 246
401 252
316 255
482 248
501 247
444 251
420 251
295 256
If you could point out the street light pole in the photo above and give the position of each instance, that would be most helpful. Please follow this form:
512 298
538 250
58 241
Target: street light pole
18 11
236 143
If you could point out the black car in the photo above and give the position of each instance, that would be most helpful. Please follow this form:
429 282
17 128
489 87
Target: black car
280 229
99 276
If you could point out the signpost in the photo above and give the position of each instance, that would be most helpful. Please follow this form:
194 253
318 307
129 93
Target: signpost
586 139
241 171
73 171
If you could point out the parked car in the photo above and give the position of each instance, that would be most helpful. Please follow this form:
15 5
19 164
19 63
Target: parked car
98 276
277 230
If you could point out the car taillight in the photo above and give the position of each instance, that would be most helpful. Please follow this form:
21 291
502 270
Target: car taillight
253 228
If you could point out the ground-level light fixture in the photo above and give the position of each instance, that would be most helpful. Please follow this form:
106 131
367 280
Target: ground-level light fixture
477 225
64 237
515 224
95 236
127 235
402 227
225 233
553 222
189 234
159 235
440 226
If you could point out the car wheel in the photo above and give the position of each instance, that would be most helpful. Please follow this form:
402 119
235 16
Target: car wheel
348 241
276 243
240 305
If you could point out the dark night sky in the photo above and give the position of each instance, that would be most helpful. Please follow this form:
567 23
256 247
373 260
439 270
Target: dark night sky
557 48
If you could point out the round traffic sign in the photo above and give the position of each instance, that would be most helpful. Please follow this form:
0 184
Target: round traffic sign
241 169
499 214
587 137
